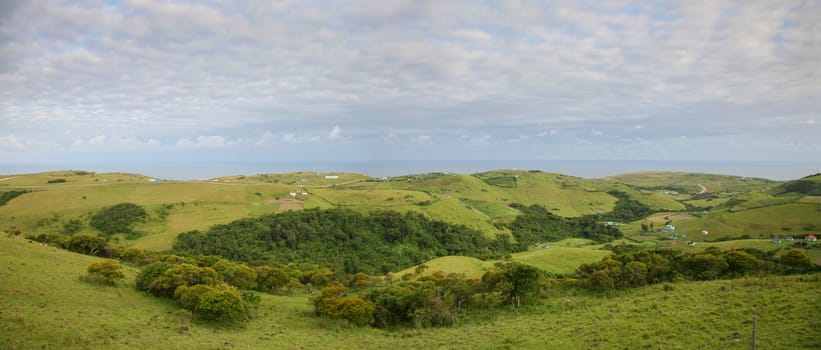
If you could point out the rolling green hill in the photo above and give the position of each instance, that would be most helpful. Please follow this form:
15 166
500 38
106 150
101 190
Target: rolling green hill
727 206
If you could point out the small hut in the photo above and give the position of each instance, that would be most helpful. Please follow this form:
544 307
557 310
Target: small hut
810 238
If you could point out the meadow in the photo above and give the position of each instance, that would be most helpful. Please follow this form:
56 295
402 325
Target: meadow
44 305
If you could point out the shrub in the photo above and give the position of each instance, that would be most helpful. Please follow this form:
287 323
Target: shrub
189 296
271 279
5 197
87 244
72 226
105 272
133 255
149 273
119 218
237 275
331 302
182 275
221 303
796 260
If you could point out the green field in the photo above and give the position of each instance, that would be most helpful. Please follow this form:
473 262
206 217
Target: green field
44 305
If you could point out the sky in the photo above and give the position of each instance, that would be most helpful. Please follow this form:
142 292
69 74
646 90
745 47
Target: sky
266 81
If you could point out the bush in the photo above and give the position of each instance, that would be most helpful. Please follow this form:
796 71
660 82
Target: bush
221 303
87 244
105 272
331 302
271 279
182 275
72 226
5 197
149 273
237 275
796 260
119 218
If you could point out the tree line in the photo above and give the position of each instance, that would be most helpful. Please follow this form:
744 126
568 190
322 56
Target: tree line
627 269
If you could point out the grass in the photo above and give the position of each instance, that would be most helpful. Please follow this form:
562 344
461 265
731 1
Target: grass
559 260
760 222
691 181
562 257
44 305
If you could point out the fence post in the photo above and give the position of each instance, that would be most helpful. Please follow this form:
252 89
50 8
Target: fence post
753 339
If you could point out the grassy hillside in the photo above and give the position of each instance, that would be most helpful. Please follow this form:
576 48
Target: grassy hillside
44 305
561 257
732 206
692 183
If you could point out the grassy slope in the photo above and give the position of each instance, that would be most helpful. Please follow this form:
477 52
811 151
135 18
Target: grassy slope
45 306
562 257
691 181
455 198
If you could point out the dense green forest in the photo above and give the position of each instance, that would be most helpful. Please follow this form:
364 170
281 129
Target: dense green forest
383 241
342 239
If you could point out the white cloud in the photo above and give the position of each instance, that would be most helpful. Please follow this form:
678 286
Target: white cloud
336 133
97 140
298 139
11 141
423 139
520 138
169 70
214 141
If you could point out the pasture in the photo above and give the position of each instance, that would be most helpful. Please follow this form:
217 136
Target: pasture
46 306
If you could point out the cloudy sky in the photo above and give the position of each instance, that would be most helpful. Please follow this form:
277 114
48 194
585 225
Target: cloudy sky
142 80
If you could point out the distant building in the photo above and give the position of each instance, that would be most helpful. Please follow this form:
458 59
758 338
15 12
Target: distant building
776 240
810 238
331 177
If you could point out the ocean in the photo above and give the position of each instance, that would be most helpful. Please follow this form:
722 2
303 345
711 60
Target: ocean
774 170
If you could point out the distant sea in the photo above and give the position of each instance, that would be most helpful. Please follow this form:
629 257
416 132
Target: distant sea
774 170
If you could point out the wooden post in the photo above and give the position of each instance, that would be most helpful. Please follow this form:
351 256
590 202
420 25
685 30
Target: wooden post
753 340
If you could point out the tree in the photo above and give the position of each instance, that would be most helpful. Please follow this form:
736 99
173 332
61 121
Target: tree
522 280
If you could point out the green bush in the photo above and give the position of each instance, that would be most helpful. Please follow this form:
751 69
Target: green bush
271 279
88 245
105 272
182 275
119 218
796 260
149 273
5 197
237 275
331 302
72 226
221 303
